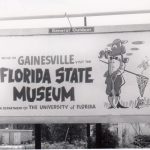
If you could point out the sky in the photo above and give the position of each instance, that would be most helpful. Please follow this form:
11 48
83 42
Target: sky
38 7
11 8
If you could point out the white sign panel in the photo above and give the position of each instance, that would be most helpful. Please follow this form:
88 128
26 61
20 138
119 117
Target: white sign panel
81 75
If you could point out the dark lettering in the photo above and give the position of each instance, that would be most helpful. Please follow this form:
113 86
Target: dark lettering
40 93
19 94
56 96
18 75
10 76
74 77
31 94
26 75
39 75
68 94
88 75
48 94
46 76
3 75
59 73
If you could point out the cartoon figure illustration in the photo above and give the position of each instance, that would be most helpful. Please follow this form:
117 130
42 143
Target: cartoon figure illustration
144 65
116 62
142 81
116 67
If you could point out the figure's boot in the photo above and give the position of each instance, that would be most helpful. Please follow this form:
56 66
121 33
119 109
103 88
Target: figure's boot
140 102
110 99
118 102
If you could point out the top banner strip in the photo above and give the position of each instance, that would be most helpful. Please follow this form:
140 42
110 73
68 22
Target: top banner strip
75 30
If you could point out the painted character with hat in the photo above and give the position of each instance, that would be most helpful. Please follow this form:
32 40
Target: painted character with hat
114 74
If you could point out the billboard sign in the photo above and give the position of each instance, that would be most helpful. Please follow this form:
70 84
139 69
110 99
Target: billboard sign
90 76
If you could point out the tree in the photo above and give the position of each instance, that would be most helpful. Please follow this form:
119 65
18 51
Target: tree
58 132
109 139
142 141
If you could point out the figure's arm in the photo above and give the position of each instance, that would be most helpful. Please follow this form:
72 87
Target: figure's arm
120 70
104 54
122 66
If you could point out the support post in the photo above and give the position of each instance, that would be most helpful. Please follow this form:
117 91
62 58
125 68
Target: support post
85 21
88 136
88 125
37 136
99 135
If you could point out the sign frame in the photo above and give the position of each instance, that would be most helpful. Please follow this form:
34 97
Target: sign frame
67 31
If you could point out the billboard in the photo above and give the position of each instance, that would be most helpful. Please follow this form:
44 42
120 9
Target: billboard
74 75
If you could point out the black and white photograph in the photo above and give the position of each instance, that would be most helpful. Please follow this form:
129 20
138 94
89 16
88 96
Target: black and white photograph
74 74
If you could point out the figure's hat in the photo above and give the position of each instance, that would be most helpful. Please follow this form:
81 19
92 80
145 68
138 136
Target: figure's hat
116 41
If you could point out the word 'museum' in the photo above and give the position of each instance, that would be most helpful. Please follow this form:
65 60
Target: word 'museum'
43 76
